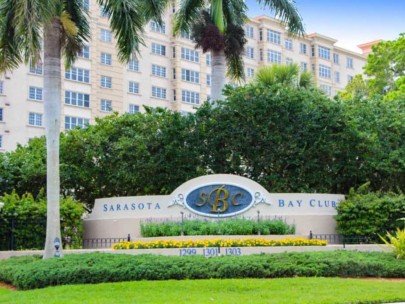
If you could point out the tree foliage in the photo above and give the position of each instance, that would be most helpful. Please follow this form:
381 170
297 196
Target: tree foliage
385 68
287 139
386 64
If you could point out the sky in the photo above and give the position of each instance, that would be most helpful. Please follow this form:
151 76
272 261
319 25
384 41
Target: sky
351 22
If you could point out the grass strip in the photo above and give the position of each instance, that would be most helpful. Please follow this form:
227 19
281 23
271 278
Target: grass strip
257 291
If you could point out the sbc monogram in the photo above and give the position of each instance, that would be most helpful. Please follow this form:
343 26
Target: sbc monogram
218 199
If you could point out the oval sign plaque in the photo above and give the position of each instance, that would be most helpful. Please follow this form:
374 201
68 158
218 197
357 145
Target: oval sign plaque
219 200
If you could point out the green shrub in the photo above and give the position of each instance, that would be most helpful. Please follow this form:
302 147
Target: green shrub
225 227
28 217
370 213
33 272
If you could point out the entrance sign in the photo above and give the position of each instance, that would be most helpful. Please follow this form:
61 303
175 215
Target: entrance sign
213 197
220 200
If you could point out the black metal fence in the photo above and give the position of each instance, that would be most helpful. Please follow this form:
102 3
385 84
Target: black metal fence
18 233
100 243
27 233
337 239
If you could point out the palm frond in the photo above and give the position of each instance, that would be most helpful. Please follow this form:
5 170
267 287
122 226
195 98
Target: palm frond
287 12
154 9
10 55
189 11
306 80
76 29
235 68
266 75
235 11
235 42
127 22
30 17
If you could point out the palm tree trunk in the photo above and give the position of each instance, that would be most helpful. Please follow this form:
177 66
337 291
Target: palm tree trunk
52 105
218 67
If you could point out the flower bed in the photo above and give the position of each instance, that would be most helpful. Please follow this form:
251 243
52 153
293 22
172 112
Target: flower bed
219 243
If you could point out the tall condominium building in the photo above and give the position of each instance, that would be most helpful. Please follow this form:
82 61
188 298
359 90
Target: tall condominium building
169 73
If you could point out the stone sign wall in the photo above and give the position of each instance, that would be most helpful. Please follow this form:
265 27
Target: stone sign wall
213 196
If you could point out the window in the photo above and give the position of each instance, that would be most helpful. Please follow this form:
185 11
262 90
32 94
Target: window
190 55
76 74
133 108
349 78
288 61
73 122
1 114
273 37
250 52
189 75
324 71
288 44
349 63
155 27
35 119
84 52
106 105
158 70
1 141
106 82
36 69
105 35
209 80
261 54
313 50
326 89
133 87
158 92
103 12
337 77
190 97
158 49
1 87
133 65
174 95
304 66
249 31
174 73
250 72
336 58
303 48
174 52
273 56
35 93
86 5
323 52
261 34
186 35
77 99
106 58
208 59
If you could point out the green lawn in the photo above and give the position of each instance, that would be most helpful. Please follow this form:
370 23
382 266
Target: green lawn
235 291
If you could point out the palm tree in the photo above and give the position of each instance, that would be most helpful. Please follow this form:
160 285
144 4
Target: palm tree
286 75
217 26
63 26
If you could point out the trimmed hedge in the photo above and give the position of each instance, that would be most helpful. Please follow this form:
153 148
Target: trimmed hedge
33 272
226 227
